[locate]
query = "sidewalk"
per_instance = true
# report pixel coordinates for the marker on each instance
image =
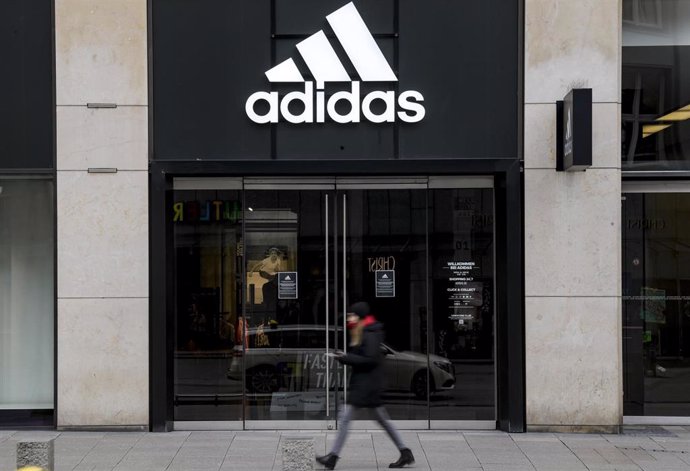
(643, 448)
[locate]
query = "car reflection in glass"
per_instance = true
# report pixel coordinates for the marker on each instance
(292, 357)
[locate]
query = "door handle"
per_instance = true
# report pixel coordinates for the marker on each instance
(344, 244)
(328, 369)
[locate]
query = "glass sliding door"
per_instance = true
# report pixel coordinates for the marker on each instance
(288, 320)
(461, 326)
(384, 253)
(266, 268)
(656, 307)
(207, 231)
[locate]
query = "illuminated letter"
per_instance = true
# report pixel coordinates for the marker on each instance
(406, 103)
(217, 204)
(272, 100)
(388, 116)
(353, 98)
(206, 213)
(178, 212)
(320, 107)
(306, 97)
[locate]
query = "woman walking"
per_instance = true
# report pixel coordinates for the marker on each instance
(365, 358)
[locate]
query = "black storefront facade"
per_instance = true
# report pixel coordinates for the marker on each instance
(415, 177)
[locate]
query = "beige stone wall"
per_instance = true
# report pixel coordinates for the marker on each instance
(572, 221)
(101, 57)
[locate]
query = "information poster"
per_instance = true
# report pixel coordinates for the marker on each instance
(464, 293)
(385, 283)
(287, 285)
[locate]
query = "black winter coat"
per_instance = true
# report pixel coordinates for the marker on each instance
(366, 360)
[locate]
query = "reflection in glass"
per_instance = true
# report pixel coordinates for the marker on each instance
(253, 327)
(286, 371)
(208, 264)
(656, 85)
(27, 297)
(656, 308)
(386, 231)
(461, 241)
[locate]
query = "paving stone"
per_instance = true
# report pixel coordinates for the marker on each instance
(297, 454)
(641, 449)
(37, 453)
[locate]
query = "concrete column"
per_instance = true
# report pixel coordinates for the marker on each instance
(572, 221)
(102, 218)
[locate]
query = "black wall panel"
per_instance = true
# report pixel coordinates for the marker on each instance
(308, 16)
(26, 85)
(206, 59)
(462, 55)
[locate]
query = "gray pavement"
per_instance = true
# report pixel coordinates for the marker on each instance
(637, 448)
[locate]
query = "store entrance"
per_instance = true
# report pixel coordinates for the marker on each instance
(265, 269)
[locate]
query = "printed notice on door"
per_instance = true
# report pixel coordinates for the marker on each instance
(385, 283)
(287, 285)
(464, 292)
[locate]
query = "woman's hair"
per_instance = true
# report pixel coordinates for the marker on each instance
(360, 308)
(356, 334)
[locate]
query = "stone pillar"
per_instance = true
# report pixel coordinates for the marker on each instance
(572, 221)
(102, 218)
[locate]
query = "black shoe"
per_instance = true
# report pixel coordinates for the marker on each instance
(406, 457)
(328, 461)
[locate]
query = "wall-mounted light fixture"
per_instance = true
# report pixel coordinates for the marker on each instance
(574, 131)
(102, 170)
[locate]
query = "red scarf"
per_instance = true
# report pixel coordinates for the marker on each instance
(368, 320)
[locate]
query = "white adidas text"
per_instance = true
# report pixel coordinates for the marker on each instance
(315, 106)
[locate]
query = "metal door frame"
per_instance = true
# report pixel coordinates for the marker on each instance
(321, 184)
(509, 273)
(338, 186)
(659, 186)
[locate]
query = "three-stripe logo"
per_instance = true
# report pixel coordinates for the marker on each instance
(325, 66)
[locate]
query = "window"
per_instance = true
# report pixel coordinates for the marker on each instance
(656, 307)
(642, 13)
(655, 86)
(27, 299)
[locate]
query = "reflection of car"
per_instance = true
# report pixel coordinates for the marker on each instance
(277, 356)
(406, 371)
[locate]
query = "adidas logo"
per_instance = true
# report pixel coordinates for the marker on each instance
(325, 66)
(568, 148)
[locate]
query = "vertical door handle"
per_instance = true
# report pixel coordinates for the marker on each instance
(344, 244)
(328, 359)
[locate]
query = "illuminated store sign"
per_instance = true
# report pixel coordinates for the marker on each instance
(574, 130)
(324, 64)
